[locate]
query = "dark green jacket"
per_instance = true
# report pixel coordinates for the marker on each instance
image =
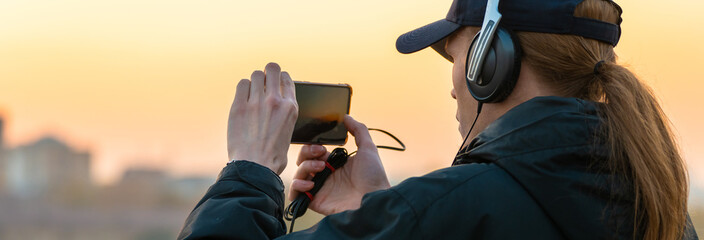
(535, 173)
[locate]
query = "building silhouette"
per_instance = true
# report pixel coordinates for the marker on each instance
(47, 168)
(46, 192)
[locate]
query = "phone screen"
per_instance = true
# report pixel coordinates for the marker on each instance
(321, 110)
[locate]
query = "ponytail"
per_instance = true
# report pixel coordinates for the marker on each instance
(636, 127)
(643, 149)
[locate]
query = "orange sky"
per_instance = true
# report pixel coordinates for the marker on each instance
(149, 83)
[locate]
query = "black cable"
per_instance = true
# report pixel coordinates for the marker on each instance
(292, 218)
(459, 154)
(403, 146)
(337, 158)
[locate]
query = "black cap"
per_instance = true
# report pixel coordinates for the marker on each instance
(546, 16)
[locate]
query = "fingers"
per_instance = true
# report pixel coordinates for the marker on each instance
(301, 179)
(270, 81)
(257, 86)
(312, 152)
(288, 87)
(242, 93)
(273, 79)
(308, 168)
(298, 185)
(360, 133)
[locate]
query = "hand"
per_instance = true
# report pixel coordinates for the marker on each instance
(344, 189)
(262, 118)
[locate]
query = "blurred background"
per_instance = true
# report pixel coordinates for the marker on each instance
(113, 112)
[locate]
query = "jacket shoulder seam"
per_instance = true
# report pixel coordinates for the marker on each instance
(496, 168)
(543, 149)
(413, 210)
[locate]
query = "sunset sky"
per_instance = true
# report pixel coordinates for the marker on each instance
(149, 83)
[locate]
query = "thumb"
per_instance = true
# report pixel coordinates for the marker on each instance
(360, 133)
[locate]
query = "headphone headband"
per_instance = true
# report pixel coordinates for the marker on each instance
(492, 17)
(493, 59)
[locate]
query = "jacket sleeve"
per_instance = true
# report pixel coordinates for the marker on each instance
(247, 201)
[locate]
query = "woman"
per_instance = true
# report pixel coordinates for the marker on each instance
(579, 149)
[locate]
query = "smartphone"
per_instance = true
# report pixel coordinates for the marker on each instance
(321, 110)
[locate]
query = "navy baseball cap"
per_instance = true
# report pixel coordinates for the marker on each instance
(546, 16)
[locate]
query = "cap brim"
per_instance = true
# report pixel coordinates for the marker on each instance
(425, 36)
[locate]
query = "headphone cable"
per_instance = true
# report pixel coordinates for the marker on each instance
(459, 152)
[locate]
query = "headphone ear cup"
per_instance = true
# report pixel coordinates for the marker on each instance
(500, 70)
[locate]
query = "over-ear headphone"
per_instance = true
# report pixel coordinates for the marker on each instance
(493, 60)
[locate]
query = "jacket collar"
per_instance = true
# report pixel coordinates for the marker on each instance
(531, 126)
(549, 145)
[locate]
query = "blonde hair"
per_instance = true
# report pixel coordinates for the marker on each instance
(635, 128)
